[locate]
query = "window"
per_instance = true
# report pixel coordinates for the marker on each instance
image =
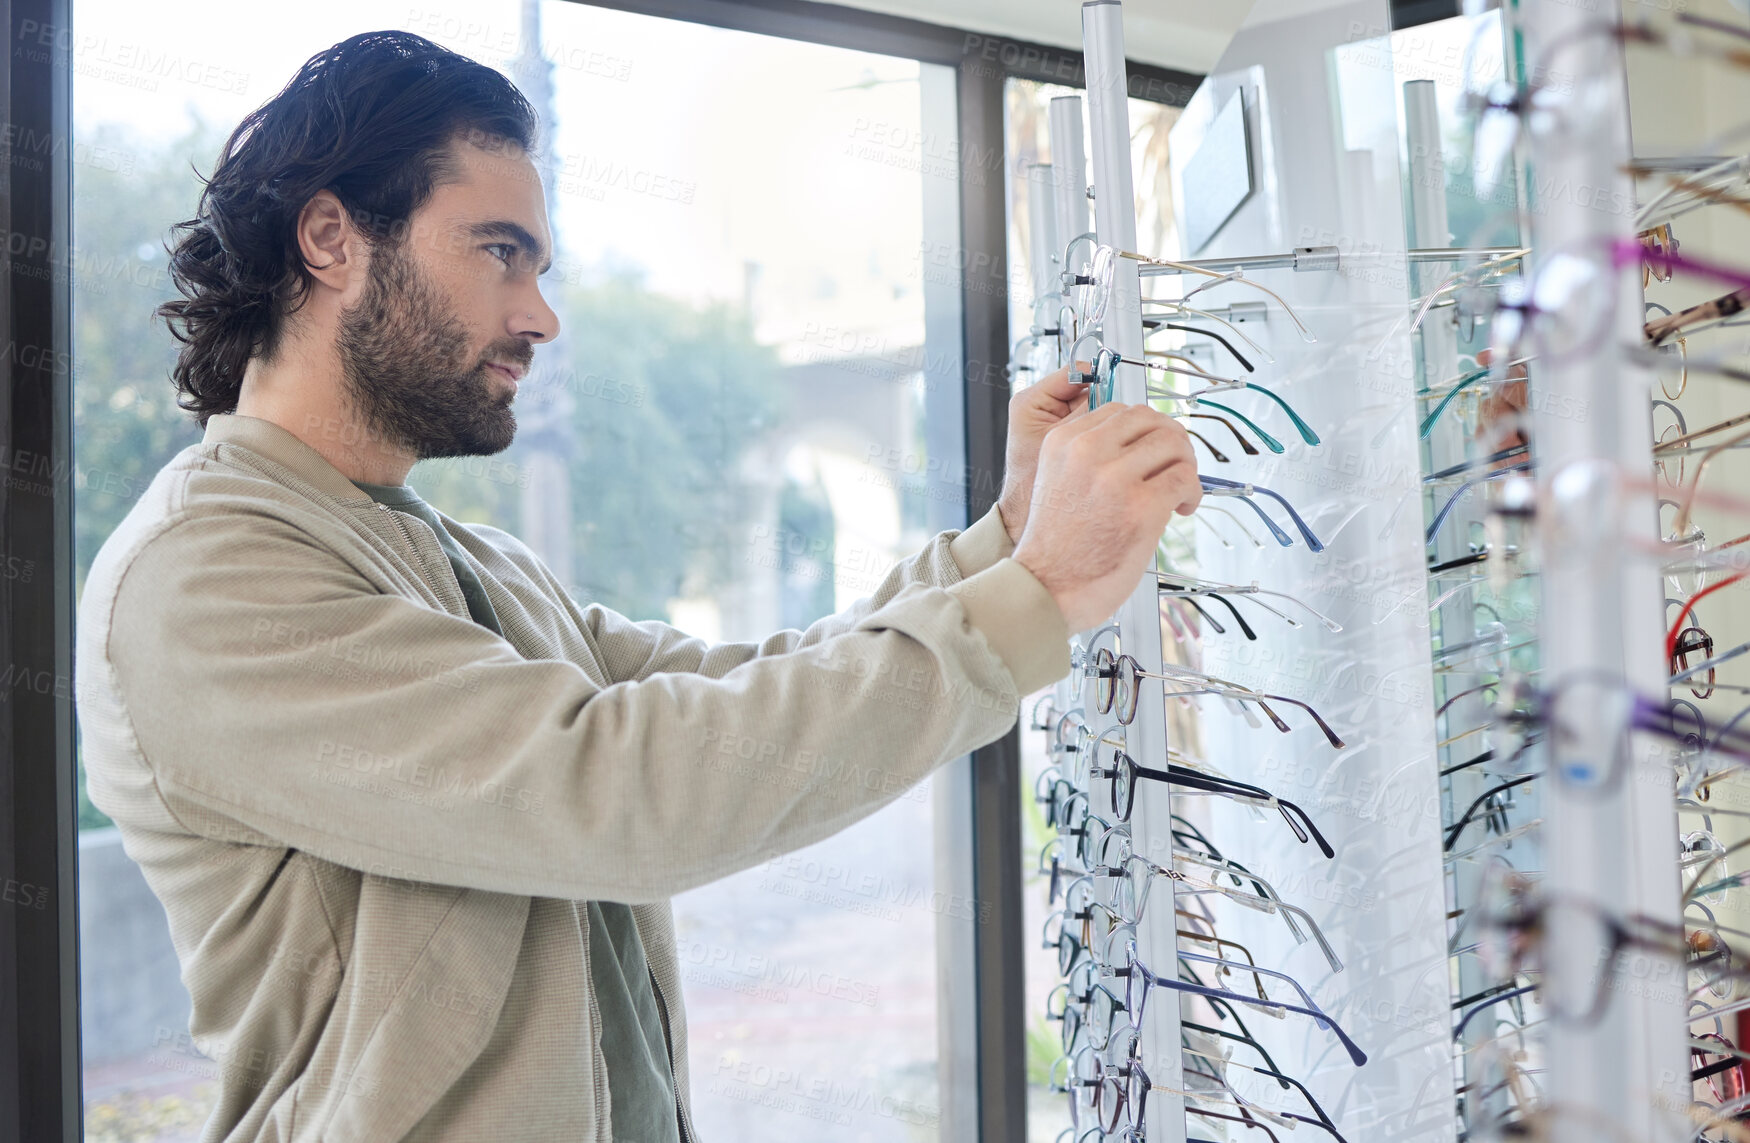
(753, 410)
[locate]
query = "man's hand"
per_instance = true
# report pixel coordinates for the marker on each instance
(1033, 412)
(1108, 483)
(1501, 423)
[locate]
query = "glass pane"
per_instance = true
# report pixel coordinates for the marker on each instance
(753, 410)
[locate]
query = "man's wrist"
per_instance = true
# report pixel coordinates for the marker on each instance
(1014, 518)
(982, 544)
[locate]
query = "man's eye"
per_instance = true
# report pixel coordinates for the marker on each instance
(505, 246)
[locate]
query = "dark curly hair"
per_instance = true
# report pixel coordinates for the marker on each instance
(370, 119)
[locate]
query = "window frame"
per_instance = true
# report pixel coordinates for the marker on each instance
(979, 818)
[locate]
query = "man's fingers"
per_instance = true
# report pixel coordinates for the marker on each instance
(1056, 395)
(1176, 481)
(1129, 424)
(1076, 427)
(1161, 459)
(1059, 385)
(1153, 453)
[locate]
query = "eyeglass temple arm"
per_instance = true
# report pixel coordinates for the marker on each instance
(1184, 776)
(1325, 621)
(1210, 283)
(1220, 457)
(1447, 705)
(1191, 367)
(1244, 1037)
(1318, 838)
(1222, 688)
(1220, 943)
(1233, 693)
(1330, 735)
(1264, 890)
(1244, 1119)
(1324, 1021)
(1481, 463)
(1287, 1081)
(1323, 1119)
(1246, 490)
(1306, 334)
(1268, 441)
(1192, 831)
(1452, 502)
(1245, 627)
(1214, 624)
(1243, 695)
(1331, 957)
(1177, 581)
(1439, 522)
(1200, 958)
(1280, 1118)
(1181, 308)
(1231, 488)
(1235, 520)
(1305, 430)
(1463, 383)
(1190, 974)
(1458, 1032)
(1239, 874)
(1218, 381)
(1469, 815)
(1225, 343)
(1300, 525)
(1246, 446)
(1180, 591)
(1190, 779)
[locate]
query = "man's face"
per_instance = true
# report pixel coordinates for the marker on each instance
(449, 316)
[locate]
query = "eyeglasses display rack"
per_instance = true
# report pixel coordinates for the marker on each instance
(1406, 775)
(1481, 591)
(1688, 233)
(1560, 824)
(1611, 828)
(1298, 977)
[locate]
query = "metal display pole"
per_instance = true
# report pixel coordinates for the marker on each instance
(1139, 619)
(1610, 819)
(1331, 258)
(1069, 165)
(1043, 248)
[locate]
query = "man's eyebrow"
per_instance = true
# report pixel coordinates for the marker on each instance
(505, 228)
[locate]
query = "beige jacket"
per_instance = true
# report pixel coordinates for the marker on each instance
(370, 819)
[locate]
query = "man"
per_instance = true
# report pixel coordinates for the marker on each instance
(414, 814)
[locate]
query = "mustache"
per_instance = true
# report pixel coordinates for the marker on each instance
(515, 352)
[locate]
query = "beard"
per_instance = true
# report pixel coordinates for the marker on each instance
(407, 370)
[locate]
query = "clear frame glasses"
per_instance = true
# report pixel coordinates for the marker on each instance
(1092, 289)
(1218, 486)
(1116, 689)
(1140, 980)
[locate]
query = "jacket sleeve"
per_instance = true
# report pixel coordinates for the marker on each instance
(636, 650)
(268, 683)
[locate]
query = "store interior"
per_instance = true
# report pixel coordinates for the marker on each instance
(1405, 799)
(1425, 824)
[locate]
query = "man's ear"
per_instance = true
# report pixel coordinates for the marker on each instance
(333, 249)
